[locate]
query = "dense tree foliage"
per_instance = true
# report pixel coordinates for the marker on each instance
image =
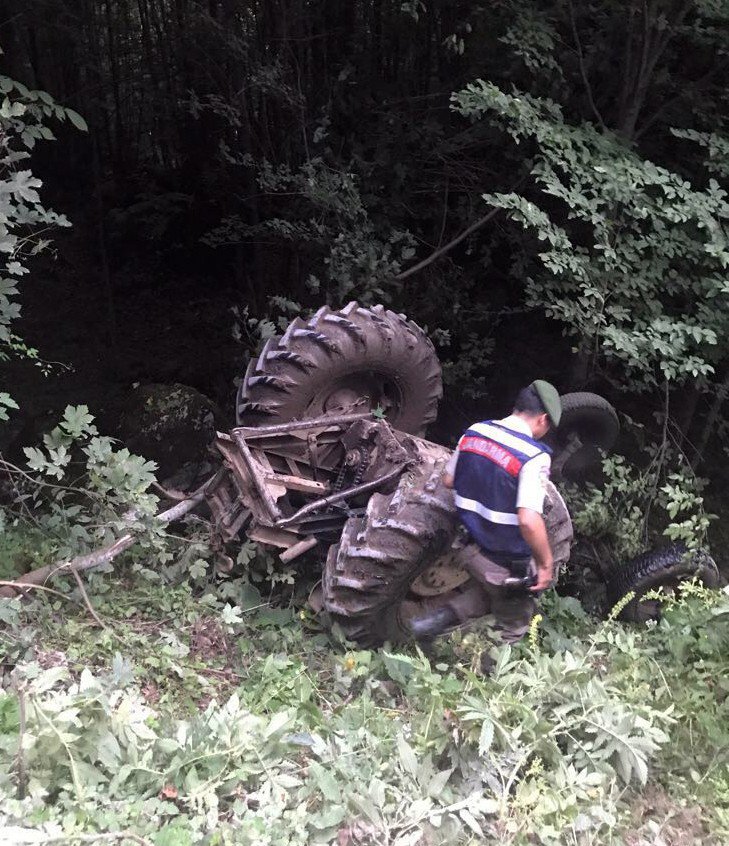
(316, 150)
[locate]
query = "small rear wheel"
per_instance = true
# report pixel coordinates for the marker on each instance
(588, 426)
(663, 570)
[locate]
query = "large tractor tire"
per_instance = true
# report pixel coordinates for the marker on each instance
(588, 426)
(371, 581)
(368, 573)
(559, 528)
(354, 358)
(660, 569)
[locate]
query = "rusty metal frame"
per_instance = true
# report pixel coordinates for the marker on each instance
(345, 494)
(248, 493)
(324, 422)
(262, 490)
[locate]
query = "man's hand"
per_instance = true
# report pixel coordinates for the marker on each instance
(534, 532)
(544, 578)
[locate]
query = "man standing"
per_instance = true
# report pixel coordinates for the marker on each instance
(499, 474)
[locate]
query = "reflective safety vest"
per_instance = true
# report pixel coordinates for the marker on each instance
(486, 484)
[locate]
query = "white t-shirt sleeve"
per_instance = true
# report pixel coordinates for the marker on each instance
(533, 480)
(450, 468)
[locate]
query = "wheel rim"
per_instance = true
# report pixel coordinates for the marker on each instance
(368, 389)
(441, 577)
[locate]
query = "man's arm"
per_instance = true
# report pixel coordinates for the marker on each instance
(534, 533)
(529, 504)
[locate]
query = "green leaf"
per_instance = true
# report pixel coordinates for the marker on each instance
(198, 570)
(486, 737)
(325, 781)
(247, 553)
(77, 421)
(231, 614)
(328, 816)
(438, 783)
(173, 835)
(399, 668)
(36, 459)
(368, 808)
(77, 120)
(470, 821)
(6, 401)
(249, 597)
(408, 758)
(278, 722)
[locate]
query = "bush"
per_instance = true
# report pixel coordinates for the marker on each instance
(306, 743)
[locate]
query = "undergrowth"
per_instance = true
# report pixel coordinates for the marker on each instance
(197, 720)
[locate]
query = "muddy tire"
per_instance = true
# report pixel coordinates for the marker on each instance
(593, 420)
(662, 568)
(559, 527)
(368, 573)
(356, 357)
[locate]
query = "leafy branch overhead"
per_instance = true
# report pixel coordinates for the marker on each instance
(23, 117)
(632, 259)
(86, 490)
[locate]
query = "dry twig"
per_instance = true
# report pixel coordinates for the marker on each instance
(87, 601)
(449, 246)
(457, 240)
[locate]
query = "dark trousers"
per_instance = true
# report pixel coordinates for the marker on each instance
(512, 610)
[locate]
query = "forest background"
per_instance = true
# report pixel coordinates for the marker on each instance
(542, 186)
(268, 156)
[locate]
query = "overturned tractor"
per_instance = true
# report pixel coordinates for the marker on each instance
(329, 457)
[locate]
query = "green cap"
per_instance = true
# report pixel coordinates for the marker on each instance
(547, 393)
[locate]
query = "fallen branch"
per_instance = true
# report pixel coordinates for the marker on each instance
(449, 246)
(457, 240)
(101, 556)
(23, 588)
(168, 493)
